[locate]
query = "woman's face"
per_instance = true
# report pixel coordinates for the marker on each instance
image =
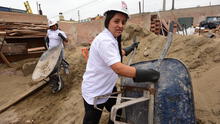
(53, 27)
(116, 24)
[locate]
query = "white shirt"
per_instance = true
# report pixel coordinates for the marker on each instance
(54, 39)
(99, 78)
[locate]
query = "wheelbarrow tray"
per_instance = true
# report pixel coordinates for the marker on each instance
(174, 103)
(48, 61)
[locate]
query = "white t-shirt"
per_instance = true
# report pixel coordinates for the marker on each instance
(99, 78)
(54, 39)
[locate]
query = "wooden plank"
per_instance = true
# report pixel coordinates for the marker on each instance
(165, 24)
(2, 56)
(36, 49)
(24, 36)
(7, 26)
(20, 32)
(161, 26)
(2, 33)
(22, 96)
(5, 60)
(22, 17)
(14, 48)
(14, 58)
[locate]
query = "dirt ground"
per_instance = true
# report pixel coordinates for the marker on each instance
(200, 54)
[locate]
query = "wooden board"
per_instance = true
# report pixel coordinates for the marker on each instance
(2, 33)
(22, 17)
(36, 49)
(14, 48)
(5, 60)
(14, 58)
(12, 97)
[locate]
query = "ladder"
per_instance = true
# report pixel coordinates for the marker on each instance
(28, 8)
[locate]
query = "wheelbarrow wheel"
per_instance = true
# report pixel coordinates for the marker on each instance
(56, 83)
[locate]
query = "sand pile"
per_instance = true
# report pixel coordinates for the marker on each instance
(201, 55)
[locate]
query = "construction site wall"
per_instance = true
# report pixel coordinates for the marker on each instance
(83, 32)
(70, 29)
(140, 19)
(199, 13)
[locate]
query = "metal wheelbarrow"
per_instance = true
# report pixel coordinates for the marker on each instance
(173, 96)
(49, 65)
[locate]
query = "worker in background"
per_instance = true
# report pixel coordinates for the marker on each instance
(54, 38)
(105, 64)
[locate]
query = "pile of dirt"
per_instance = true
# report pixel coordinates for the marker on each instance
(201, 55)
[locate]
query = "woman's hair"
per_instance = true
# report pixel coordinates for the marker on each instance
(119, 46)
(56, 25)
(109, 15)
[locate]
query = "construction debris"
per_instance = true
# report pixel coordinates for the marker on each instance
(23, 30)
(21, 34)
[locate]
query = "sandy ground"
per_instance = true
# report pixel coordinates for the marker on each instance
(201, 56)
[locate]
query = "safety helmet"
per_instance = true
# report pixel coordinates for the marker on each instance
(51, 22)
(120, 6)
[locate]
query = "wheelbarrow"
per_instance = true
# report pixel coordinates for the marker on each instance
(49, 66)
(173, 96)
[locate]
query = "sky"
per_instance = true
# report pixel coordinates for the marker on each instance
(82, 9)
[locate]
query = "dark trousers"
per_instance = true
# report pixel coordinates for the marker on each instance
(92, 115)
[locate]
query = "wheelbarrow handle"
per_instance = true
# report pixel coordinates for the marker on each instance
(115, 108)
(104, 96)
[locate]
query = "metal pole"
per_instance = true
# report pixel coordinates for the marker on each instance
(164, 5)
(40, 11)
(139, 7)
(37, 6)
(143, 7)
(172, 4)
(78, 16)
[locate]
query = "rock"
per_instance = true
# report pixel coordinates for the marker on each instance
(28, 68)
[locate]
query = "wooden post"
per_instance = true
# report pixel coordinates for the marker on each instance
(2, 35)
(5, 59)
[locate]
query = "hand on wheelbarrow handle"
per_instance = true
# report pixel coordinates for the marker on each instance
(62, 37)
(146, 75)
(129, 49)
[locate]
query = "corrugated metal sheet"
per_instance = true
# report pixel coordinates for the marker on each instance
(18, 10)
(6, 9)
(186, 22)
